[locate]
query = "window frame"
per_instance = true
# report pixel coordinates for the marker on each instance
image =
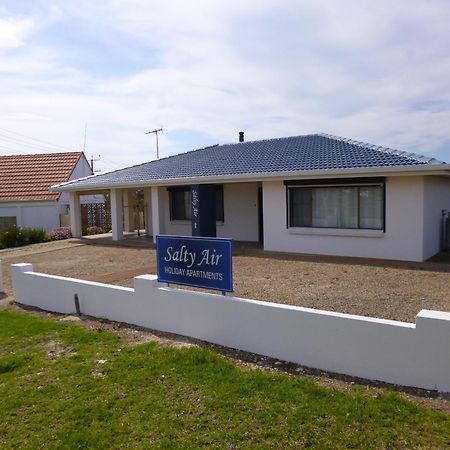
(173, 190)
(336, 183)
(7, 225)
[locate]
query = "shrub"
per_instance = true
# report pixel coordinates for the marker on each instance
(34, 235)
(11, 237)
(94, 230)
(15, 236)
(60, 233)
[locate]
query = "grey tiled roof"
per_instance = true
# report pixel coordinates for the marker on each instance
(290, 154)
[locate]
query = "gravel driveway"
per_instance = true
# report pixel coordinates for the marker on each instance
(389, 290)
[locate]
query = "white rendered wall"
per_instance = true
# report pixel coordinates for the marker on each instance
(159, 203)
(402, 239)
(437, 198)
(240, 214)
(117, 214)
(394, 352)
(81, 170)
(33, 214)
(11, 210)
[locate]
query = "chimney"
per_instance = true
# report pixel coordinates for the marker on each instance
(241, 136)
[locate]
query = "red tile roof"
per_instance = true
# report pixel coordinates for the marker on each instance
(29, 177)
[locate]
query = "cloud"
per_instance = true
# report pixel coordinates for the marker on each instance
(374, 71)
(13, 32)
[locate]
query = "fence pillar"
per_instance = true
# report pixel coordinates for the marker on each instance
(75, 214)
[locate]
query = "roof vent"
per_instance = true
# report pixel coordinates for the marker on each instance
(241, 136)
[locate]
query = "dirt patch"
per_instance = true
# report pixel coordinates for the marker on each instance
(121, 275)
(97, 372)
(55, 349)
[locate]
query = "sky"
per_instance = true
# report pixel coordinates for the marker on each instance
(203, 70)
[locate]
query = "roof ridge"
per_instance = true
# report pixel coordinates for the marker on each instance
(42, 154)
(392, 151)
(272, 139)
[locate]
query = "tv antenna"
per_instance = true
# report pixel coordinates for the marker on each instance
(85, 133)
(156, 131)
(93, 160)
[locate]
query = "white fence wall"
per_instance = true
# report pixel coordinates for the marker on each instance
(395, 352)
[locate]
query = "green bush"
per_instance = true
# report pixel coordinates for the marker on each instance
(35, 235)
(15, 236)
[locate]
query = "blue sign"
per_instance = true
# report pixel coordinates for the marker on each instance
(195, 261)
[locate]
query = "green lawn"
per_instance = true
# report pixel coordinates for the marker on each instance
(63, 386)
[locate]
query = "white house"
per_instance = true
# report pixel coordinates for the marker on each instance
(25, 181)
(315, 194)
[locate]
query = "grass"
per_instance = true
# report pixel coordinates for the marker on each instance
(63, 386)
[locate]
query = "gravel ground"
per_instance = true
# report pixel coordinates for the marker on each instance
(389, 290)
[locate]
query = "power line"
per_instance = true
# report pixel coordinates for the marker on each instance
(34, 139)
(23, 143)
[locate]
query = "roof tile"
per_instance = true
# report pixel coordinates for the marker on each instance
(290, 154)
(29, 177)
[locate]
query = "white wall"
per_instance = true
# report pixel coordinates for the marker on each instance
(33, 214)
(240, 214)
(82, 169)
(402, 239)
(10, 210)
(395, 352)
(436, 198)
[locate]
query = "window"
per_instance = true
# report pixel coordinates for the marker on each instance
(329, 206)
(180, 203)
(7, 222)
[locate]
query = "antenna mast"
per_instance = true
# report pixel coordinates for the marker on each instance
(85, 132)
(156, 131)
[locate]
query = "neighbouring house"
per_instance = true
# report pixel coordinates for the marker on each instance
(316, 194)
(25, 196)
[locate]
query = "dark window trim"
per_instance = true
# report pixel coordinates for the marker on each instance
(337, 182)
(178, 188)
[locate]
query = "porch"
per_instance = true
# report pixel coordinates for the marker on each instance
(167, 209)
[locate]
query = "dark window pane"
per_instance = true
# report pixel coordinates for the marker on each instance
(219, 204)
(181, 205)
(300, 207)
